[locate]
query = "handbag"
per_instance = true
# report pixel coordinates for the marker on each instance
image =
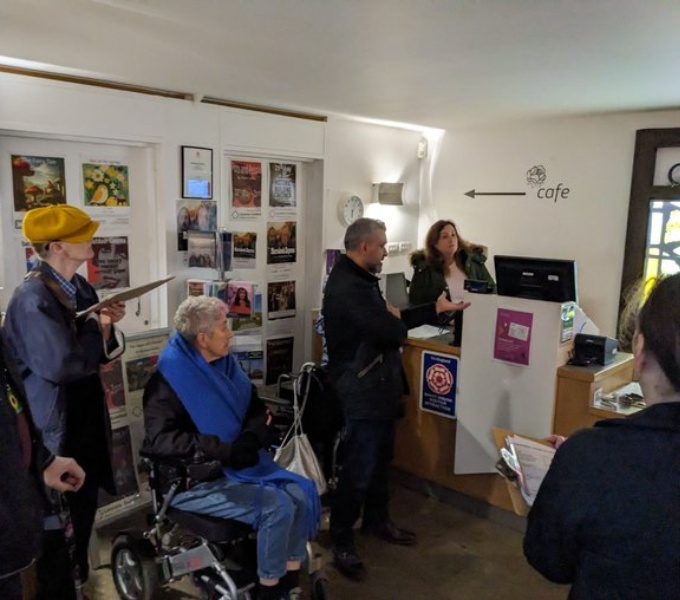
(295, 453)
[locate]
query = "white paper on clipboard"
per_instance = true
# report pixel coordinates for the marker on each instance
(128, 294)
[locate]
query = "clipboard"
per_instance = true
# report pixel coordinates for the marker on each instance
(519, 505)
(128, 294)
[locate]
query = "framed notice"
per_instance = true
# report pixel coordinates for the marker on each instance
(438, 383)
(197, 172)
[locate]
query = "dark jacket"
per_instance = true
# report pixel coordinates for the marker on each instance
(607, 516)
(171, 432)
(429, 281)
(20, 493)
(58, 357)
(364, 340)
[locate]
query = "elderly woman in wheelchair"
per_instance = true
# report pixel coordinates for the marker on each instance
(200, 403)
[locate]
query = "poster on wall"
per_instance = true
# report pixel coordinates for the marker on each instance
(282, 191)
(248, 325)
(438, 383)
(114, 388)
(280, 300)
(245, 250)
(106, 194)
(247, 349)
(37, 181)
(281, 242)
(279, 357)
(246, 189)
(30, 256)
(139, 363)
(202, 249)
(109, 268)
(512, 340)
(194, 216)
(240, 296)
(332, 257)
(124, 472)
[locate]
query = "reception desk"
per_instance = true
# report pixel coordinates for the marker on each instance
(426, 442)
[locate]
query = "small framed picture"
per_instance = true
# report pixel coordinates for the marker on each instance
(197, 172)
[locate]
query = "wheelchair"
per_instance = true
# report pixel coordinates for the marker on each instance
(218, 554)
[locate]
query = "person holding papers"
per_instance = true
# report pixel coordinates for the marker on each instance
(58, 355)
(607, 516)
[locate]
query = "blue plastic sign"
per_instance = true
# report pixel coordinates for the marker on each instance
(438, 383)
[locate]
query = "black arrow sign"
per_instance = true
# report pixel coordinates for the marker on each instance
(473, 193)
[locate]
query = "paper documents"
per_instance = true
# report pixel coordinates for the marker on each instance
(128, 294)
(534, 460)
(424, 332)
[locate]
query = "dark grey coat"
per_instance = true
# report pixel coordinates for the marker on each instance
(607, 516)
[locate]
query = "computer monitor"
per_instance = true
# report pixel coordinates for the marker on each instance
(548, 279)
(396, 290)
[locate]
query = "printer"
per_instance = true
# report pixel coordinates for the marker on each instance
(593, 350)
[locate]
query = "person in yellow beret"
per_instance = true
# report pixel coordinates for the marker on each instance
(59, 355)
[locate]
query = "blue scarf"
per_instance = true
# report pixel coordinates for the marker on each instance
(216, 395)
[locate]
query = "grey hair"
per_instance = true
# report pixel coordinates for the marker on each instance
(198, 314)
(360, 231)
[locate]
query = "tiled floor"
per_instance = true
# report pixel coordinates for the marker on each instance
(458, 557)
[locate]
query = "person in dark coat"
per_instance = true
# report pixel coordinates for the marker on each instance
(58, 355)
(442, 267)
(607, 516)
(444, 264)
(24, 461)
(364, 335)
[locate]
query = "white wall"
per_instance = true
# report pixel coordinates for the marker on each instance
(591, 156)
(338, 157)
(358, 155)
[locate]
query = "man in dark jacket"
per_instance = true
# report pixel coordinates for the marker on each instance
(364, 336)
(23, 459)
(58, 355)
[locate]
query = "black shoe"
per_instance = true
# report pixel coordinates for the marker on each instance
(350, 565)
(389, 532)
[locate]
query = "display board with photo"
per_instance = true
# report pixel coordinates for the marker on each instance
(240, 296)
(105, 184)
(109, 269)
(246, 188)
(280, 299)
(282, 185)
(279, 357)
(281, 242)
(37, 181)
(202, 249)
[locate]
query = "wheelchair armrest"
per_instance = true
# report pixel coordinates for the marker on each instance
(187, 471)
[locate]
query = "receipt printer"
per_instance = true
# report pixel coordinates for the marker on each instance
(594, 349)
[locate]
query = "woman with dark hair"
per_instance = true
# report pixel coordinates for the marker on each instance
(240, 304)
(444, 264)
(607, 515)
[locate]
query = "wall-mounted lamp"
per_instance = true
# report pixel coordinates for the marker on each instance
(388, 193)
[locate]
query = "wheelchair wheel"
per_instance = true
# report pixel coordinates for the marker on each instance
(319, 587)
(135, 573)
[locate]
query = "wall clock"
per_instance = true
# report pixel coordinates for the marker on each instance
(350, 208)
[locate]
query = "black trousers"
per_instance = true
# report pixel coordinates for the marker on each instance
(10, 587)
(367, 453)
(54, 568)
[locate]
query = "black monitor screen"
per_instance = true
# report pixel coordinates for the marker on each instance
(548, 279)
